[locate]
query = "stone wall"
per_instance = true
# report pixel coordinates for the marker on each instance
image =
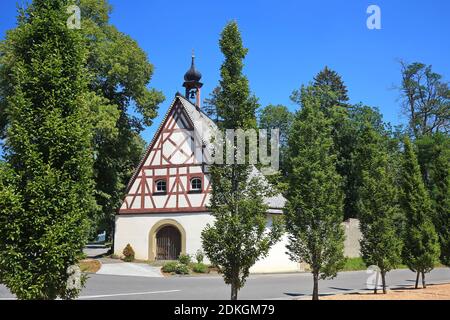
(352, 237)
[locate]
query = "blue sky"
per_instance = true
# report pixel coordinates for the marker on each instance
(288, 41)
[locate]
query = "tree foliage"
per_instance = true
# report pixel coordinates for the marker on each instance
(381, 244)
(426, 99)
(330, 89)
(119, 72)
(421, 249)
(238, 237)
(46, 185)
(434, 160)
(277, 117)
(315, 208)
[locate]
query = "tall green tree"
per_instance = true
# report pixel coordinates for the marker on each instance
(329, 87)
(421, 250)
(209, 105)
(381, 244)
(315, 199)
(47, 186)
(352, 146)
(426, 99)
(238, 237)
(434, 160)
(277, 117)
(119, 74)
(331, 80)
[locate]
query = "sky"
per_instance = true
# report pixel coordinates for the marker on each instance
(289, 42)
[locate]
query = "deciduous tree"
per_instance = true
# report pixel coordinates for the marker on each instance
(426, 99)
(434, 160)
(46, 186)
(315, 199)
(238, 237)
(421, 250)
(277, 117)
(119, 73)
(381, 244)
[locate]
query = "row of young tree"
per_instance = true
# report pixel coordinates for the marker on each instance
(70, 147)
(337, 161)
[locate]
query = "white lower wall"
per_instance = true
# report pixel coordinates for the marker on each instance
(277, 259)
(135, 229)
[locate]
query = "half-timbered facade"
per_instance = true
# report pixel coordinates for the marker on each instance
(165, 207)
(172, 176)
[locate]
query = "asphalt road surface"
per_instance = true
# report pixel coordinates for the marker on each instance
(274, 286)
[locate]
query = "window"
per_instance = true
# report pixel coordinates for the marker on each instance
(161, 186)
(196, 184)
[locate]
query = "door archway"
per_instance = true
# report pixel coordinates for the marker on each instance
(168, 243)
(167, 240)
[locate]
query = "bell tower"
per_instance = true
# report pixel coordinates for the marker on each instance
(192, 84)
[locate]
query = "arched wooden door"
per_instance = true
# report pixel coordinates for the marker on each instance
(168, 243)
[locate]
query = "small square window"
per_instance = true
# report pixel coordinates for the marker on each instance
(161, 186)
(196, 184)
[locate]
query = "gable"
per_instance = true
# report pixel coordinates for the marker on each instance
(174, 156)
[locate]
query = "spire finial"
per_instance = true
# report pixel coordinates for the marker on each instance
(192, 82)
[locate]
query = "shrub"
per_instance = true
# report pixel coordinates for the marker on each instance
(170, 266)
(181, 269)
(128, 253)
(199, 256)
(184, 259)
(200, 268)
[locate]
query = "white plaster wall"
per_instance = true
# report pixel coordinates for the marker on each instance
(135, 229)
(353, 235)
(277, 260)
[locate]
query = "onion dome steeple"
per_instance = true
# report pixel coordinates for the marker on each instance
(192, 83)
(192, 74)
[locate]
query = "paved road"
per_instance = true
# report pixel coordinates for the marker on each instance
(280, 286)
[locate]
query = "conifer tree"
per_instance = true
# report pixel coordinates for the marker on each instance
(421, 244)
(330, 79)
(381, 244)
(47, 181)
(238, 237)
(315, 199)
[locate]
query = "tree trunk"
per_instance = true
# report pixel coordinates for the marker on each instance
(234, 291)
(383, 280)
(417, 279)
(377, 279)
(113, 231)
(316, 286)
(424, 285)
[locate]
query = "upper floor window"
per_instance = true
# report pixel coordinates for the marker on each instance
(196, 184)
(161, 186)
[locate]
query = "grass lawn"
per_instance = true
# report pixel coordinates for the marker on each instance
(356, 264)
(89, 265)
